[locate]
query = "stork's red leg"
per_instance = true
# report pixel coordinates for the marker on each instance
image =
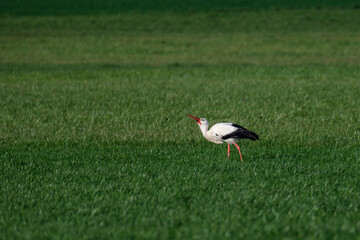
(228, 150)
(239, 150)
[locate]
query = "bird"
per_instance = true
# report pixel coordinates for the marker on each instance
(228, 133)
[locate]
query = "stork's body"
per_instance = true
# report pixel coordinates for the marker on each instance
(228, 133)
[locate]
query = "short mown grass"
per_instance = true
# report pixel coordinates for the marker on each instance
(95, 142)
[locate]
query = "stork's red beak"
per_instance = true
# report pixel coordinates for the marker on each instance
(196, 118)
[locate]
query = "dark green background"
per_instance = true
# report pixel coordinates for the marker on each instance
(68, 7)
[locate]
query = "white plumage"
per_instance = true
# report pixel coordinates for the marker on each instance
(229, 133)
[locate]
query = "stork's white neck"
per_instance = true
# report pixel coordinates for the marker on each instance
(204, 129)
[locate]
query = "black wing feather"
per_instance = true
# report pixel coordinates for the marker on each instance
(241, 132)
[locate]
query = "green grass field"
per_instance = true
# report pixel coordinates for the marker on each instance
(88, 7)
(95, 142)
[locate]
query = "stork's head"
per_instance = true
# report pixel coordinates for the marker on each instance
(200, 121)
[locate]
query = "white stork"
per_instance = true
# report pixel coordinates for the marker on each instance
(229, 133)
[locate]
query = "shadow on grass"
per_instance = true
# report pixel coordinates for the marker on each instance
(11, 67)
(24, 67)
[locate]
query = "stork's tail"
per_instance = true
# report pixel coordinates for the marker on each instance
(241, 132)
(251, 135)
